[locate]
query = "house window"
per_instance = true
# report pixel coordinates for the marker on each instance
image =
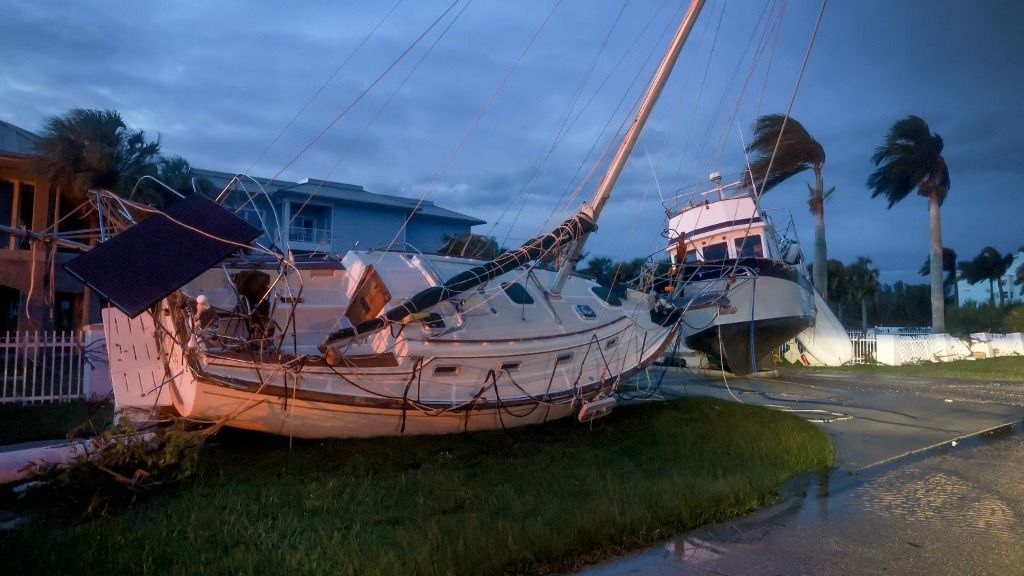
(7, 189)
(9, 301)
(311, 225)
(65, 310)
(252, 216)
(17, 201)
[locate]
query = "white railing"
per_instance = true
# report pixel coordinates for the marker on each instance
(42, 366)
(865, 346)
(309, 235)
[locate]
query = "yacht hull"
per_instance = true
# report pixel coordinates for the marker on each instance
(751, 317)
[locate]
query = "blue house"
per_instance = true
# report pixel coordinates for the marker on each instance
(333, 217)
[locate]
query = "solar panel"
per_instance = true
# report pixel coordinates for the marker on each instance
(152, 259)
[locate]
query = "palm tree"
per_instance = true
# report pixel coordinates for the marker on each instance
(85, 150)
(787, 156)
(837, 286)
(93, 149)
(911, 158)
(862, 282)
(989, 265)
(949, 266)
(972, 272)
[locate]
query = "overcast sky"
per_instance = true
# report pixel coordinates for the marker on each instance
(219, 81)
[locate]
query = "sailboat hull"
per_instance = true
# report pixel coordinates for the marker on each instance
(488, 363)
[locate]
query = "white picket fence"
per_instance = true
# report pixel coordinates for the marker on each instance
(865, 346)
(43, 366)
(898, 346)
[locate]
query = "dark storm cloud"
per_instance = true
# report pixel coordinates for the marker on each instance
(218, 81)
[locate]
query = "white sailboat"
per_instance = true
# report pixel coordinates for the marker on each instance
(378, 343)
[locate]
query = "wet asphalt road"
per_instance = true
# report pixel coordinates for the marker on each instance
(903, 499)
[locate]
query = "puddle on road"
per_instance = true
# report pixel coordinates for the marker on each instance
(907, 490)
(939, 500)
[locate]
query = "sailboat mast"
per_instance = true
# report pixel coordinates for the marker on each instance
(611, 176)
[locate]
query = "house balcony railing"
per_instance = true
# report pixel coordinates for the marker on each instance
(309, 235)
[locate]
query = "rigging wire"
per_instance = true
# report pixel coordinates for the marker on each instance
(566, 199)
(380, 109)
(770, 35)
(757, 54)
(563, 128)
(324, 85)
(700, 91)
(366, 90)
(476, 122)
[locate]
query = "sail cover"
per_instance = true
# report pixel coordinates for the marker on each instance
(150, 260)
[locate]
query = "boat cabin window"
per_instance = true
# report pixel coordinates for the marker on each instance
(609, 297)
(719, 251)
(586, 312)
(563, 358)
(517, 293)
(509, 366)
(446, 371)
(749, 247)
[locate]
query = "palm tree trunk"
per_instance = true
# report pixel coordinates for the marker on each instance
(820, 248)
(991, 293)
(864, 314)
(938, 300)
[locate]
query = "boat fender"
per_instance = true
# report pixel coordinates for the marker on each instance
(596, 408)
(792, 255)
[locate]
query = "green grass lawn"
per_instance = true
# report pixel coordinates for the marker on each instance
(52, 420)
(537, 500)
(1005, 369)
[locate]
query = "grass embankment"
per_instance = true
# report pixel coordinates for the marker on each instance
(1004, 369)
(536, 500)
(52, 421)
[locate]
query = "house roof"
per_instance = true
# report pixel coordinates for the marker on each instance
(341, 192)
(15, 140)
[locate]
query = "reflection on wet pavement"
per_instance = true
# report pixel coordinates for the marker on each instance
(917, 489)
(940, 500)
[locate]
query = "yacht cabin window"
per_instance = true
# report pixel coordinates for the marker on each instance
(719, 251)
(749, 247)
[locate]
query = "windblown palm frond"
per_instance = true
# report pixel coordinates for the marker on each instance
(795, 152)
(910, 157)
